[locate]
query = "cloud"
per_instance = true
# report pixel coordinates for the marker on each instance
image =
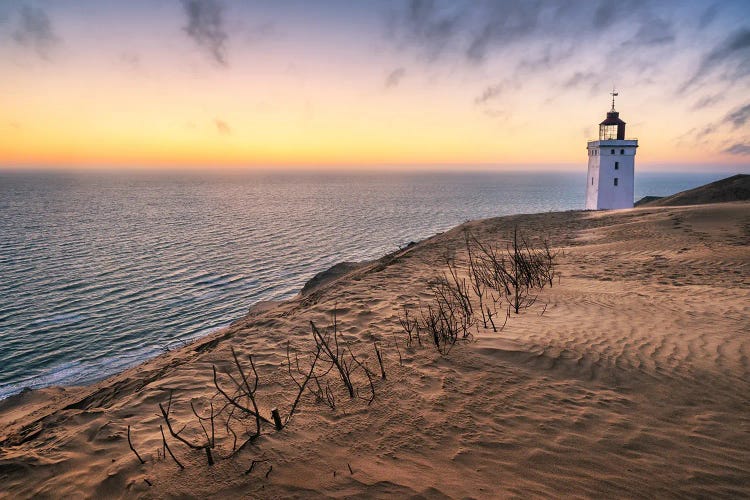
(739, 116)
(708, 15)
(394, 77)
(654, 31)
(222, 127)
(478, 29)
(735, 119)
(733, 52)
(546, 58)
(206, 27)
(607, 13)
(504, 22)
(492, 92)
(738, 149)
(35, 31)
(707, 101)
(427, 23)
(581, 78)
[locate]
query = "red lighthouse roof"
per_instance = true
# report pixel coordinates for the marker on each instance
(613, 118)
(612, 128)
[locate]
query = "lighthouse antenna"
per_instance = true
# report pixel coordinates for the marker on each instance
(614, 94)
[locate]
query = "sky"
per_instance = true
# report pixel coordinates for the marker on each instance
(355, 84)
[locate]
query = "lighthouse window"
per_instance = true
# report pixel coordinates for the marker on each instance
(592, 181)
(612, 152)
(615, 181)
(622, 151)
(617, 165)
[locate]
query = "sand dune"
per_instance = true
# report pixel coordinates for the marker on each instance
(734, 188)
(630, 377)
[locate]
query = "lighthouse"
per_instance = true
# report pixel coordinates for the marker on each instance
(609, 184)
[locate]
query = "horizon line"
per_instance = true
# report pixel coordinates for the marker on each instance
(474, 167)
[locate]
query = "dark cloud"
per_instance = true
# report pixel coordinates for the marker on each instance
(707, 101)
(222, 127)
(607, 13)
(427, 23)
(734, 119)
(491, 92)
(708, 15)
(35, 31)
(738, 117)
(546, 58)
(478, 28)
(738, 149)
(705, 131)
(733, 53)
(580, 78)
(394, 77)
(654, 31)
(206, 27)
(503, 22)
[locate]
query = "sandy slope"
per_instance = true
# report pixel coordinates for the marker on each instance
(734, 188)
(634, 382)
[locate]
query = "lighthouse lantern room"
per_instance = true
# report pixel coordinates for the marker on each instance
(609, 184)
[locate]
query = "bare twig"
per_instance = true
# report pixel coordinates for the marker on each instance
(164, 440)
(253, 464)
(130, 443)
(380, 360)
(174, 434)
(334, 354)
(301, 386)
(234, 401)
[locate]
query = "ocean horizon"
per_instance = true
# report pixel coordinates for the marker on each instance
(101, 271)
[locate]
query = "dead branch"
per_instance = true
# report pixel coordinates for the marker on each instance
(398, 350)
(409, 325)
(380, 360)
(334, 354)
(234, 401)
(166, 446)
(369, 379)
(174, 434)
(301, 385)
(253, 464)
(250, 393)
(130, 443)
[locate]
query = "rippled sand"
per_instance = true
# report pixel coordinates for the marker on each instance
(634, 382)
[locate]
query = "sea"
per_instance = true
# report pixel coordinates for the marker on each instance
(101, 271)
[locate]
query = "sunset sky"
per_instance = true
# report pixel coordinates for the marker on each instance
(493, 84)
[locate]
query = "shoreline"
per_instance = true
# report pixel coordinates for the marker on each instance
(611, 370)
(109, 356)
(318, 282)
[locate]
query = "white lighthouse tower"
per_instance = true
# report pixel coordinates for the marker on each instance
(611, 165)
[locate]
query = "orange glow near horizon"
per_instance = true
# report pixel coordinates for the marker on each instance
(140, 93)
